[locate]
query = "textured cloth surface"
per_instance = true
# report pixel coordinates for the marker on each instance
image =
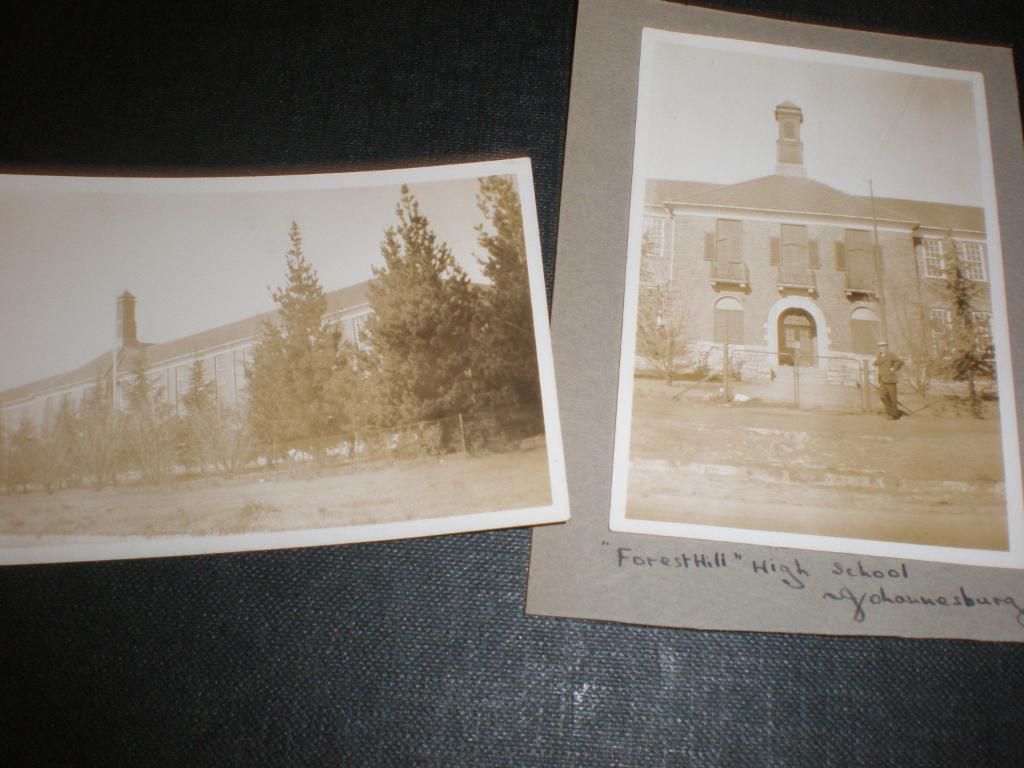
(413, 652)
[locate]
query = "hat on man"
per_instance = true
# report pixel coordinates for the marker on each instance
(883, 344)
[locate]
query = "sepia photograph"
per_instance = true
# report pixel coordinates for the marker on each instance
(815, 348)
(214, 364)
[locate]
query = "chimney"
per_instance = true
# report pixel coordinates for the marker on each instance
(127, 334)
(789, 148)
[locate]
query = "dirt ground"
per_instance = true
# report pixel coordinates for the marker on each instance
(357, 495)
(926, 479)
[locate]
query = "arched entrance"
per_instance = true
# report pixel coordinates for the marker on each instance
(798, 338)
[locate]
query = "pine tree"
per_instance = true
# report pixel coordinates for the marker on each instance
(505, 366)
(26, 455)
(198, 402)
(212, 434)
(148, 431)
(99, 444)
(968, 352)
(420, 330)
(292, 380)
(59, 442)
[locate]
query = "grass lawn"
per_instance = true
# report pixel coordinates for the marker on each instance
(926, 479)
(356, 495)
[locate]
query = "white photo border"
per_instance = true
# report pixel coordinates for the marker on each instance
(1013, 557)
(18, 550)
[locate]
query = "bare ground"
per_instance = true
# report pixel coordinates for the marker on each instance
(357, 495)
(925, 479)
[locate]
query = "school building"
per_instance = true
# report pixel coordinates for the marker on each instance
(793, 272)
(224, 351)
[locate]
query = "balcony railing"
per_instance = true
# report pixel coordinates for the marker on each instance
(797, 278)
(730, 272)
(866, 285)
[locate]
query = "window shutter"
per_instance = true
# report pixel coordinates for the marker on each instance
(840, 256)
(812, 254)
(709, 246)
(773, 252)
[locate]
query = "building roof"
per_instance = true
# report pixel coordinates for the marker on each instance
(793, 194)
(154, 354)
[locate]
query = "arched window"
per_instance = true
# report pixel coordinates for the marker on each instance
(865, 331)
(728, 320)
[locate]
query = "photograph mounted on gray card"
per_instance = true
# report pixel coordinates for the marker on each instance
(216, 364)
(815, 348)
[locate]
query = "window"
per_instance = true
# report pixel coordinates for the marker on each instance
(181, 377)
(971, 253)
(728, 240)
(940, 325)
(654, 235)
(983, 327)
(865, 330)
(220, 375)
(728, 321)
(972, 260)
(358, 334)
(238, 357)
(934, 263)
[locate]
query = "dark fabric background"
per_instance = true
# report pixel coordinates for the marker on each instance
(413, 652)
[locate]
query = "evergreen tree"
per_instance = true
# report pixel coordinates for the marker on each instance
(505, 365)
(213, 434)
(26, 455)
(99, 443)
(292, 380)
(420, 330)
(148, 430)
(198, 402)
(59, 443)
(968, 351)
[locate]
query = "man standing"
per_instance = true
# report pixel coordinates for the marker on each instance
(888, 365)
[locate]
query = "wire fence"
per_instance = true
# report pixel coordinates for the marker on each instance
(800, 379)
(811, 379)
(473, 433)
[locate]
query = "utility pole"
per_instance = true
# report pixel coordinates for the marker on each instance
(879, 276)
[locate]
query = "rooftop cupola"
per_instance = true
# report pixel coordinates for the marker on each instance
(789, 147)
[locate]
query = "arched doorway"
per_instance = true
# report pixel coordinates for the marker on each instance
(798, 338)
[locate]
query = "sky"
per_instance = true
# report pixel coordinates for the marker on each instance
(712, 119)
(194, 256)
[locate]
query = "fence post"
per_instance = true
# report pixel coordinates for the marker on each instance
(796, 379)
(462, 432)
(725, 372)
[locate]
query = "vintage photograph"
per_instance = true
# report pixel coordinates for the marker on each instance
(202, 365)
(815, 345)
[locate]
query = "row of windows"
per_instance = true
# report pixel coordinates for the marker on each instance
(794, 250)
(941, 322)
(864, 326)
(939, 255)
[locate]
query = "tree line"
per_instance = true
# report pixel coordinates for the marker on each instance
(435, 346)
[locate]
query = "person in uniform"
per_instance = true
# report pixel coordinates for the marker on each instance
(888, 366)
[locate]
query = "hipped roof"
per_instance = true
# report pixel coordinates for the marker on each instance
(798, 195)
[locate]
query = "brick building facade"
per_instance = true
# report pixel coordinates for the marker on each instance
(224, 351)
(785, 268)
